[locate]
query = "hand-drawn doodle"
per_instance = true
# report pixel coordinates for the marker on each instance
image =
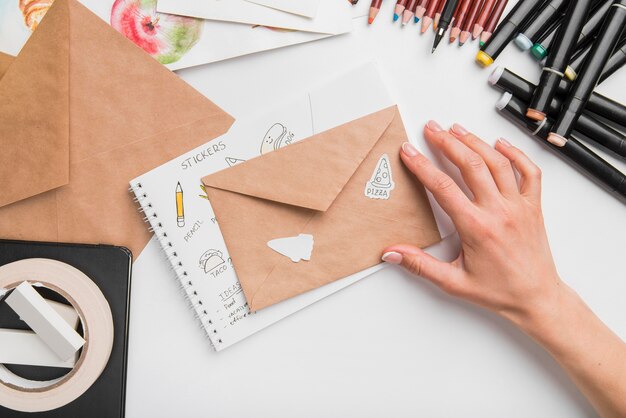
(231, 161)
(381, 184)
(210, 260)
(296, 248)
(276, 137)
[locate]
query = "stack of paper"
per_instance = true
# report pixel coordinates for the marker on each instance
(186, 33)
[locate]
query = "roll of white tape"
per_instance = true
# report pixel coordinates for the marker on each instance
(95, 314)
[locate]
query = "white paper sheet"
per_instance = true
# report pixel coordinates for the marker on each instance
(306, 8)
(333, 17)
(217, 40)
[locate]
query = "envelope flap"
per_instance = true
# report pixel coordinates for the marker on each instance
(310, 173)
(34, 112)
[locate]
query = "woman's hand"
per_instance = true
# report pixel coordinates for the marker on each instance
(505, 263)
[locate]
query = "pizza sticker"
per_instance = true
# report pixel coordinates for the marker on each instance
(381, 184)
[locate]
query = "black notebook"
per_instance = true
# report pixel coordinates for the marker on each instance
(110, 269)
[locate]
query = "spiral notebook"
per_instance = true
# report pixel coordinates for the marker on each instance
(175, 205)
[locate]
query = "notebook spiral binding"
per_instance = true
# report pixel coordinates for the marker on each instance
(184, 281)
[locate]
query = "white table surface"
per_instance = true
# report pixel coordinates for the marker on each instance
(391, 345)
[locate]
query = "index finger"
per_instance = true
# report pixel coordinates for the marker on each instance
(444, 189)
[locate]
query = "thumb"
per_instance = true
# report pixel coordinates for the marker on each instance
(446, 276)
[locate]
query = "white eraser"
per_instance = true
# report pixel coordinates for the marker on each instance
(45, 321)
(19, 346)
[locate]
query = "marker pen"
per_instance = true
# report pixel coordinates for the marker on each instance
(563, 46)
(617, 60)
(590, 74)
(506, 31)
(590, 31)
(571, 150)
(551, 11)
(587, 124)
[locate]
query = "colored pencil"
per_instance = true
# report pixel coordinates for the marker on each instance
(409, 12)
(470, 20)
(440, 7)
(431, 8)
(459, 18)
(419, 11)
(481, 20)
(400, 7)
(496, 14)
(374, 9)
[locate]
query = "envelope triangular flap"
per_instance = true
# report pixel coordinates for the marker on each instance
(34, 112)
(310, 173)
(119, 94)
(127, 115)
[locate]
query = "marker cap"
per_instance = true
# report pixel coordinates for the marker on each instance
(483, 59)
(523, 42)
(570, 73)
(538, 51)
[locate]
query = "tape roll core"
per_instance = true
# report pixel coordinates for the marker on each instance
(97, 321)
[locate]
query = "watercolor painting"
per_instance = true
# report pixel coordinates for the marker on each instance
(165, 37)
(33, 11)
(14, 31)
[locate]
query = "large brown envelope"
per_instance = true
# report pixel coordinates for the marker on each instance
(318, 186)
(5, 61)
(82, 112)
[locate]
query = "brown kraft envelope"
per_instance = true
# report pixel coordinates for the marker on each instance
(83, 112)
(329, 186)
(5, 61)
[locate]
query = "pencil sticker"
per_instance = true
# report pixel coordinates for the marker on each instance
(381, 184)
(296, 248)
(276, 137)
(233, 161)
(180, 210)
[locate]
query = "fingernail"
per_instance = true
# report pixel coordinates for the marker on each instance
(409, 149)
(504, 142)
(392, 257)
(458, 130)
(434, 126)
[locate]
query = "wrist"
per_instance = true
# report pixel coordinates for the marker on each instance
(548, 315)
